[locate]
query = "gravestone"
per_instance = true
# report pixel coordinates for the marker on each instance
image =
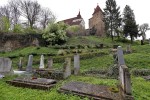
(128, 49)
(5, 65)
(35, 83)
(149, 41)
(76, 64)
(91, 91)
(42, 62)
(67, 68)
(20, 64)
(29, 65)
(120, 56)
(125, 83)
(50, 63)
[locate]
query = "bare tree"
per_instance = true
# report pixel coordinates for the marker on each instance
(30, 10)
(143, 28)
(5, 11)
(15, 12)
(46, 16)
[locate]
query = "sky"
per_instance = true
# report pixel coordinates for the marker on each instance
(64, 9)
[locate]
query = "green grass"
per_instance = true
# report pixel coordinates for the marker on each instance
(140, 89)
(8, 92)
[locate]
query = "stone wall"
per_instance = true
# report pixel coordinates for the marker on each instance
(11, 41)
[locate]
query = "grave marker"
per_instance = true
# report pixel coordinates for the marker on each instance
(5, 65)
(76, 64)
(42, 62)
(20, 64)
(67, 68)
(29, 65)
(50, 63)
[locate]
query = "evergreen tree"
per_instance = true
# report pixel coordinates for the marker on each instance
(130, 26)
(112, 18)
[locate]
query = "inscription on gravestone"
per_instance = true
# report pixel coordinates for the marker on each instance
(76, 64)
(42, 62)
(29, 65)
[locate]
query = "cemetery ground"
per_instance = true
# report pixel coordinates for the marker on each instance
(94, 60)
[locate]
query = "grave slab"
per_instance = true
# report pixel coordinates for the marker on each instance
(96, 92)
(35, 83)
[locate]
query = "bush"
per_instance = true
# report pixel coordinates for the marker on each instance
(141, 72)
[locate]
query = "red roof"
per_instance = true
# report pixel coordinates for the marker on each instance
(97, 9)
(74, 20)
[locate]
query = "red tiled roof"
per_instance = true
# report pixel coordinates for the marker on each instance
(71, 21)
(97, 9)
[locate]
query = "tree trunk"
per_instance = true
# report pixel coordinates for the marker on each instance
(131, 39)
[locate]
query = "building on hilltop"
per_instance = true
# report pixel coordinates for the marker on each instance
(96, 23)
(78, 20)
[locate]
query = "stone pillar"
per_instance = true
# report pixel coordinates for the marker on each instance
(67, 68)
(50, 63)
(41, 62)
(29, 66)
(76, 64)
(20, 63)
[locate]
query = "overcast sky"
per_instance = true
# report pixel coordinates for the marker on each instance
(65, 9)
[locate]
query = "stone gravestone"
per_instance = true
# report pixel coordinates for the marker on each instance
(120, 56)
(125, 83)
(128, 49)
(67, 68)
(42, 62)
(5, 65)
(20, 64)
(50, 63)
(29, 65)
(76, 64)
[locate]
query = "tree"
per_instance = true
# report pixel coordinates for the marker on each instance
(46, 16)
(4, 24)
(55, 33)
(112, 18)
(130, 26)
(143, 28)
(30, 10)
(15, 12)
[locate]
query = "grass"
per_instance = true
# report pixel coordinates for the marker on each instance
(139, 59)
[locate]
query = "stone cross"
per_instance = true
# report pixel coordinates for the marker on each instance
(42, 62)
(5, 65)
(76, 64)
(20, 64)
(50, 63)
(67, 68)
(29, 65)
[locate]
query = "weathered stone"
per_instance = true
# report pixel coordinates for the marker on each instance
(20, 64)
(29, 66)
(125, 83)
(35, 42)
(96, 92)
(120, 56)
(67, 68)
(35, 83)
(5, 65)
(42, 62)
(76, 64)
(50, 63)
(128, 49)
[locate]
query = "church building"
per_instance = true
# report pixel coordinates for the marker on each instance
(96, 22)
